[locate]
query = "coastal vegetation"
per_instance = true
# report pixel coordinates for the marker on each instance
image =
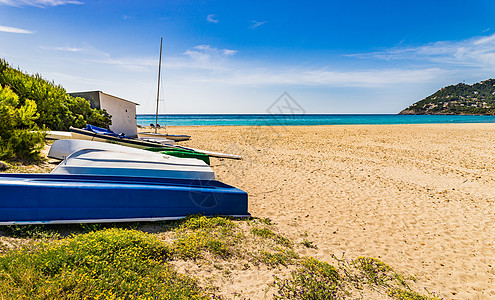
(460, 99)
(20, 136)
(123, 261)
(30, 105)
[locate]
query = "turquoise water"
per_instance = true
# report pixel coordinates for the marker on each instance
(306, 119)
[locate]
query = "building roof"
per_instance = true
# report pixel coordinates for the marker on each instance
(104, 94)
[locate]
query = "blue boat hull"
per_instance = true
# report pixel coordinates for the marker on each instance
(60, 198)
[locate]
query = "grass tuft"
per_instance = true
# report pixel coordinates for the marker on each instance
(197, 235)
(402, 294)
(312, 279)
(282, 257)
(269, 234)
(374, 270)
(308, 244)
(202, 222)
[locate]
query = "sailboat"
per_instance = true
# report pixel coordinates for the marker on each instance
(155, 135)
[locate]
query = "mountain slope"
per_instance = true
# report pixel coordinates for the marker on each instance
(460, 99)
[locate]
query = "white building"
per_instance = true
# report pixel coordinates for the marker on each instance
(123, 111)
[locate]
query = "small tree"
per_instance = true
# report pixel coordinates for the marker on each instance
(20, 137)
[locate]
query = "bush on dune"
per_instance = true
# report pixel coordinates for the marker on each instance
(107, 264)
(20, 136)
(57, 110)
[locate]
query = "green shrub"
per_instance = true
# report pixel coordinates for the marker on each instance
(57, 110)
(313, 279)
(198, 234)
(280, 256)
(377, 272)
(20, 137)
(202, 222)
(107, 264)
(371, 266)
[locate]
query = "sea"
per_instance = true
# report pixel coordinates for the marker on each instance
(304, 119)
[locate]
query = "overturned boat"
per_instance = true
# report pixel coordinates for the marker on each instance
(65, 198)
(147, 164)
(61, 149)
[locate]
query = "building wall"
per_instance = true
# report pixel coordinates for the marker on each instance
(123, 114)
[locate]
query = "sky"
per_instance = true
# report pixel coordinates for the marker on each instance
(240, 56)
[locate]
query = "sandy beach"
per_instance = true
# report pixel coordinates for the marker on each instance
(419, 197)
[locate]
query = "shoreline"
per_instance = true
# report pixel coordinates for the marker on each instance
(412, 124)
(313, 119)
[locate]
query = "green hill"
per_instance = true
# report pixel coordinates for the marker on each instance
(460, 99)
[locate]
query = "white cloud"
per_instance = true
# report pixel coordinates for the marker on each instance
(91, 55)
(207, 72)
(14, 30)
(474, 52)
(68, 49)
(255, 24)
(229, 52)
(211, 19)
(38, 3)
(203, 47)
(63, 49)
(89, 83)
(130, 63)
(205, 54)
(204, 63)
(321, 78)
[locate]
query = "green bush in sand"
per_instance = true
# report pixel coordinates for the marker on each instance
(20, 136)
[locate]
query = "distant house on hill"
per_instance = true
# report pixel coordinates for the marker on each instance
(123, 111)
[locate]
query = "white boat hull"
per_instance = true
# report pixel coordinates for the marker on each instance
(113, 163)
(61, 149)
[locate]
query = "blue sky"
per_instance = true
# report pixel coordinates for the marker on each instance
(239, 57)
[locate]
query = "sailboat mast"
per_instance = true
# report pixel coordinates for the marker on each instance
(158, 93)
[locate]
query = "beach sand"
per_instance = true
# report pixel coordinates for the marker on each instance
(419, 197)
